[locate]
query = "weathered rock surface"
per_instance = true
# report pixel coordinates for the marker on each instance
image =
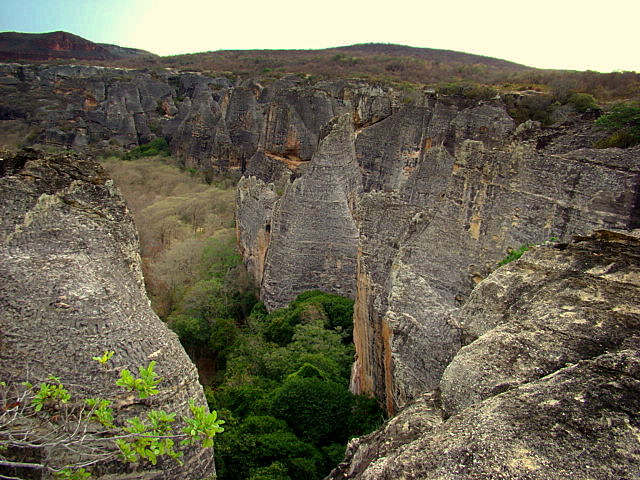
(212, 124)
(496, 199)
(313, 233)
(448, 186)
(556, 306)
(72, 288)
(549, 390)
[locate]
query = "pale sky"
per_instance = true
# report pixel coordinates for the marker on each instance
(563, 34)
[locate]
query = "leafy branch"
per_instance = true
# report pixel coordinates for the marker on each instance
(73, 436)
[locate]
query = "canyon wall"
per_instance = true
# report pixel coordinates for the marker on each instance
(72, 288)
(547, 386)
(445, 187)
(404, 202)
(401, 200)
(212, 124)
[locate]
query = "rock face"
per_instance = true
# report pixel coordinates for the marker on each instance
(548, 388)
(313, 233)
(72, 288)
(212, 124)
(444, 187)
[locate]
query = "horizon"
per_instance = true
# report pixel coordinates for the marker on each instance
(567, 36)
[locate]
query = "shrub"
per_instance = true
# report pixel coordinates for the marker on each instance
(45, 421)
(155, 148)
(515, 254)
(582, 102)
(468, 89)
(623, 123)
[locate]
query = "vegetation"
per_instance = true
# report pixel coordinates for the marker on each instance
(285, 392)
(390, 64)
(279, 379)
(155, 148)
(178, 216)
(623, 124)
(515, 254)
(44, 429)
(468, 89)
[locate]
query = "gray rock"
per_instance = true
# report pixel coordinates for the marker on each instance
(561, 325)
(556, 306)
(494, 200)
(72, 288)
(313, 233)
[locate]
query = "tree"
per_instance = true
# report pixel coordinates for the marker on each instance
(43, 428)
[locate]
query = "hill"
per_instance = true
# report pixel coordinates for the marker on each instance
(374, 61)
(388, 64)
(15, 46)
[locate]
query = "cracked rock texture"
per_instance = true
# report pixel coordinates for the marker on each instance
(72, 288)
(212, 124)
(442, 189)
(548, 388)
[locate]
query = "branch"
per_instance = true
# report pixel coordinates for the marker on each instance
(7, 463)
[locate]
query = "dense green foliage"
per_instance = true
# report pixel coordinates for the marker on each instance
(155, 148)
(623, 123)
(285, 392)
(259, 366)
(582, 102)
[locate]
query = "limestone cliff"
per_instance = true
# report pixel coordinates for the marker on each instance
(72, 288)
(448, 185)
(548, 388)
(212, 124)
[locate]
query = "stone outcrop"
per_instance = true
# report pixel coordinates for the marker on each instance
(547, 388)
(556, 306)
(314, 237)
(72, 288)
(448, 185)
(212, 124)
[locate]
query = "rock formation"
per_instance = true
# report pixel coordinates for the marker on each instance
(445, 187)
(212, 124)
(405, 203)
(72, 288)
(548, 388)
(314, 238)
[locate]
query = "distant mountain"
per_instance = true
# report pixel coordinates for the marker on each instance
(431, 54)
(372, 61)
(16, 46)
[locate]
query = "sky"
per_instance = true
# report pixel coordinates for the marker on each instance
(560, 34)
